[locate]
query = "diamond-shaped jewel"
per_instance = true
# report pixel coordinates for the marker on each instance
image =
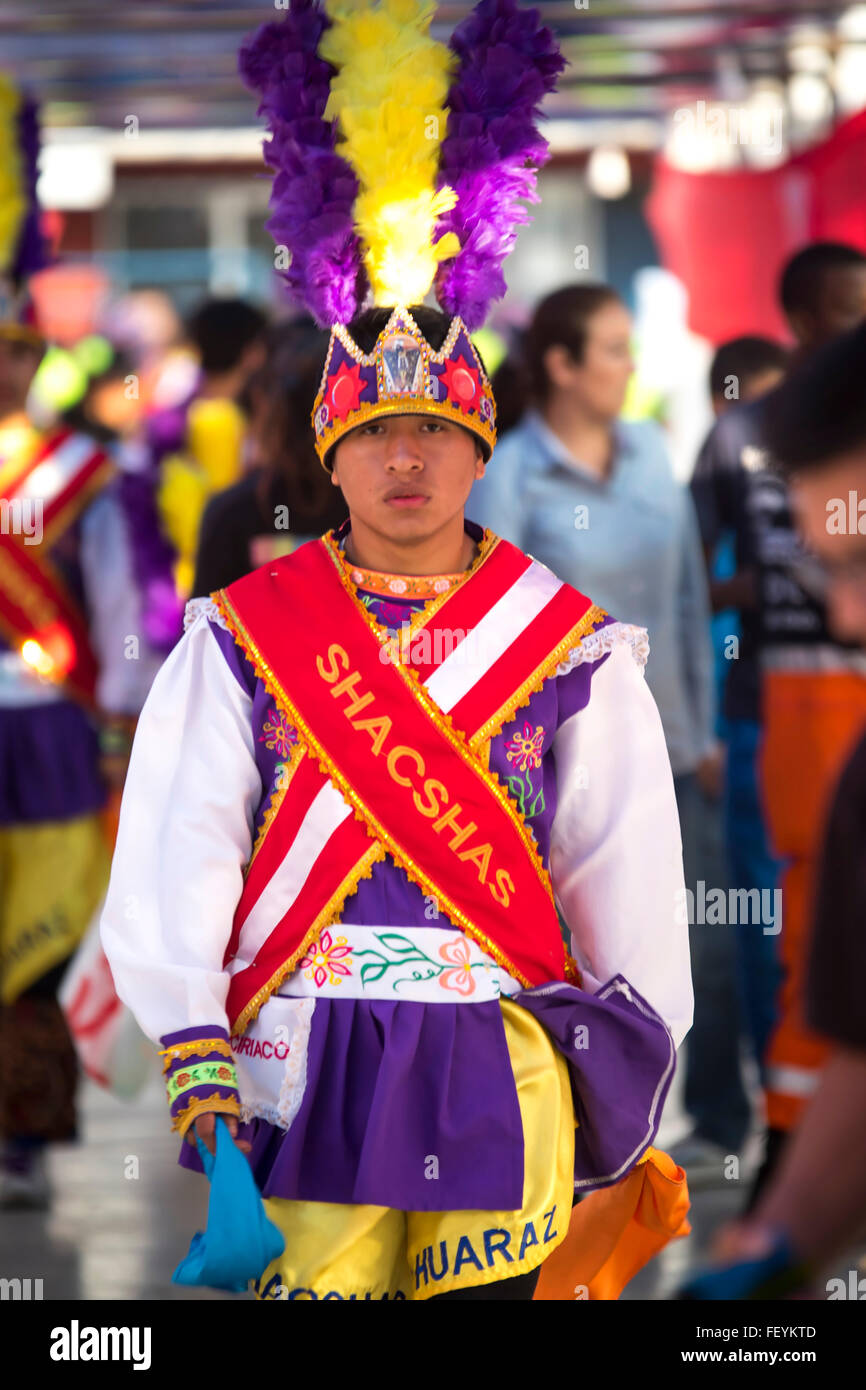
(403, 364)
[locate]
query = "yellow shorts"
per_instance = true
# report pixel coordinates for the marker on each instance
(366, 1252)
(52, 876)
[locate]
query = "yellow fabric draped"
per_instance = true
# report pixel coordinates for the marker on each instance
(52, 877)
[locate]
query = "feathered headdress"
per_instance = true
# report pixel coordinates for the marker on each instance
(400, 162)
(22, 248)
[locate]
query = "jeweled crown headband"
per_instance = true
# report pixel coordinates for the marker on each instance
(403, 375)
(399, 164)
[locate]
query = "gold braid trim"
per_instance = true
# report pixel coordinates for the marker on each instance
(358, 807)
(328, 917)
(201, 1105)
(196, 1047)
(524, 692)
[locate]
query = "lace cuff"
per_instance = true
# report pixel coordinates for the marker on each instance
(599, 643)
(198, 606)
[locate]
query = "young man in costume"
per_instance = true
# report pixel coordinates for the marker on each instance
(68, 697)
(366, 778)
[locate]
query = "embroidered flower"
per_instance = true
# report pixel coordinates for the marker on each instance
(457, 954)
(524, 750)
(441, 586)
(327, 960)
(224, 1074)
(277, 733)
(182, 1078)
(357, 577)
(397, 586)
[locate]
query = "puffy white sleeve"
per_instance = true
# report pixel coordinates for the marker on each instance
(616, 854)
(186, 826)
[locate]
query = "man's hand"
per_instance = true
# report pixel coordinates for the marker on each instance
(205, 1128)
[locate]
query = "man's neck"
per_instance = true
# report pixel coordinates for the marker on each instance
(448, 551)
(587, 438)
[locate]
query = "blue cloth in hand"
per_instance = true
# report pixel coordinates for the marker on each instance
(240, 1241)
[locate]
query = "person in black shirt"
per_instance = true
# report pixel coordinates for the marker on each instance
(286, 498)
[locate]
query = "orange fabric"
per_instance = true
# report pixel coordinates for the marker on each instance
(615, 1231)
(812, 720)
(793, 1044)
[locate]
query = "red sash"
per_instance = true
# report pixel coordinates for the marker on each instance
(37, 614)
(416, 779)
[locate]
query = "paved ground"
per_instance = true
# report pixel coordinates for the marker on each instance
(125, 1212)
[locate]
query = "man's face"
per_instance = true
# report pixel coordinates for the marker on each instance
(826, 502)
(18, 364)
(842, 306)
(406, 476)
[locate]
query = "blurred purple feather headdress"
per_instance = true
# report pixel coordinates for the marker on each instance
(314, 188)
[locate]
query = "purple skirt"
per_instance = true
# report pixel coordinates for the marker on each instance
(390, 1084)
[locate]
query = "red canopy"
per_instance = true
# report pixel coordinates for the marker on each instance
(727, 235)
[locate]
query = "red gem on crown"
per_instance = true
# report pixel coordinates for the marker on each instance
(462, 383)
(344, 390)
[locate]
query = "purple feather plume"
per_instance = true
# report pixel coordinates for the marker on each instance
(314, 188)
(507, 63)
(32, 253)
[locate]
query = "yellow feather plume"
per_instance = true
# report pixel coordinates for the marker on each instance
(13, 202)
(389, 100)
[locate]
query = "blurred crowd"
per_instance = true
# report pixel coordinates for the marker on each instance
(199, 434)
